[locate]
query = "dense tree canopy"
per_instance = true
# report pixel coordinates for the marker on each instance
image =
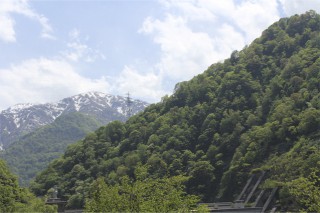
(16, 199)
(260, 106)
(143, 195)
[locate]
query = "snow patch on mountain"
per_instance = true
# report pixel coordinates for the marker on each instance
(24, 118)
(19, 107)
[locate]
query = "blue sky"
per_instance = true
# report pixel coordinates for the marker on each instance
(55, 49)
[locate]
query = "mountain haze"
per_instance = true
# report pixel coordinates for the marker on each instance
(257, 111)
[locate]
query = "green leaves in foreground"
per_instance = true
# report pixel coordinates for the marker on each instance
(306, 191)
(142, 195)
(16, 199)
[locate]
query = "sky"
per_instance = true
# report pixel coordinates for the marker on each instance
(52, 49)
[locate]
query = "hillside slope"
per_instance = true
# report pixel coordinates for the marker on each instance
(256, 110)
(33, 152)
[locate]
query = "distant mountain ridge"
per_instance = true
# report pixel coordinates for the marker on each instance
(21, 119)
(32, 152)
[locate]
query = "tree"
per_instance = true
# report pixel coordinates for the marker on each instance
(9, 189)
(202, 177)
(143, 195)
(16, 199)
(310, 121)
(306, 191)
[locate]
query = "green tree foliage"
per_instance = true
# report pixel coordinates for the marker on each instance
(9, 189)
(258, 109)
(202, 178)
(306, 191)
(143, 195)
(16, 199)
(296, 172)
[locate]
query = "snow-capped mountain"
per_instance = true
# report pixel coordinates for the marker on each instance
(20, 119)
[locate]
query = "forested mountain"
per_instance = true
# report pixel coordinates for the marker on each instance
(21, 119)
(258, 110)
(34, 151)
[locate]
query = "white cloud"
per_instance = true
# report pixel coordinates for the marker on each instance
(44, 80)
(292, 7)
(78, 50)
(184, 52)
(187, 49)
(227, 39)
(192, 10)
(193, 34)
(74, 34)
(9, 7)
(252, 17)
(144, 86)
(46, 28)
(7, 32)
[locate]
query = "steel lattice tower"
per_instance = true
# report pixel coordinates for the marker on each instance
(129, 106)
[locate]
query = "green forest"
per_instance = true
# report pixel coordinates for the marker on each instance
(259, 110)
(34, 151)
(16, 199)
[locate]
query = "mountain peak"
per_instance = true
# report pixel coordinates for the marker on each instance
(19, 107)
(24, 118)
(91, 94)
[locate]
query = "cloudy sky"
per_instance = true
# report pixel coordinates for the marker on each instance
(54, 49)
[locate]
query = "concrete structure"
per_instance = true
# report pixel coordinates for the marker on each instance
(251, 198)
